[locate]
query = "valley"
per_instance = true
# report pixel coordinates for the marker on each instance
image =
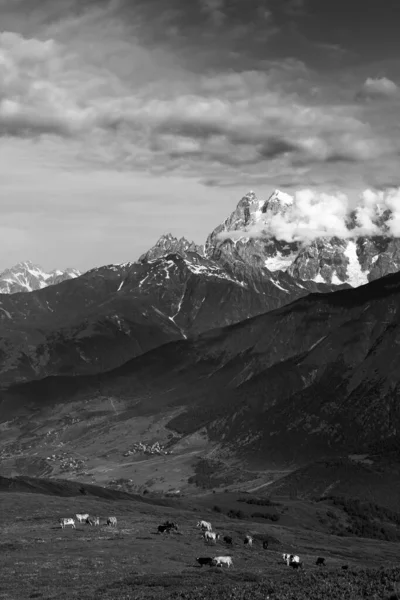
(229, 381)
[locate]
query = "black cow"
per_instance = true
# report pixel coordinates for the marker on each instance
(265, 544)
(205, 560)
(296, 565)
(163, 529)
(345, 567)
(320, 561)
(227, 539)
(166, 528)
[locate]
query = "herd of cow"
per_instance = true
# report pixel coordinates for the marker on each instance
(86, 518)
(218, 561)
(292, 560)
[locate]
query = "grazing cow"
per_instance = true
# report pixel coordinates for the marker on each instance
(163, 529)
(166, 528)
(289, 558)
(64, 522)
(82, 518)
(248, 540)
(211, 537)
(171, 525)
(93, 521)
(204, 525)
(112, 521)
(320, 561)
(228, 540)
(285, 558)
(265, 544)
(219, 561)
(345, 567)
(206, 560)
(296, 565)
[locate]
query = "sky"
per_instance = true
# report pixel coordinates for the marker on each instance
(122, 120)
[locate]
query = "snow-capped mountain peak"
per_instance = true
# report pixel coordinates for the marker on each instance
(281, 197)
(26, 276)
(278, 202)
(354, 261)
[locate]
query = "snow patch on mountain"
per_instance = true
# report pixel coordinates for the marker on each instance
(279, 286)
(336, 280)
(211, 271)
(355, 275)
(318, 279)
(279, 262)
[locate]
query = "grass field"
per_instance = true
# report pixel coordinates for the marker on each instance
(40, 560)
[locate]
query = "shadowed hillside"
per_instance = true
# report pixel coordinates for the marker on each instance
(316, 378)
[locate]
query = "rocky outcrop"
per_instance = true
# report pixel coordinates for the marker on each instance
(168, 244)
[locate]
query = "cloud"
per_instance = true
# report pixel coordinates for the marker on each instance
(212, 93)
(31, 101)
(178, 121)
(314, 215)
(294, 8)
(214, 9)
(378, 88)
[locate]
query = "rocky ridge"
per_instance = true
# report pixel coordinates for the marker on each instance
(168, 244)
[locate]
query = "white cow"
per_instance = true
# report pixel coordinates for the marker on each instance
(82, 518)
(204, 525)
(93, 521)
(219, 561)
(112, 521)
(64, 522)
(290, 558)
(209, 536)
(248, 540)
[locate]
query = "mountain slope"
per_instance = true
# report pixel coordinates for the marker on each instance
(372, 478)
(71, 327)
(317, 377)
(26, 277)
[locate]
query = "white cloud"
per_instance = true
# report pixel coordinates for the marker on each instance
(379, 88)
(314, 215)
(232, 118)
(32, 99)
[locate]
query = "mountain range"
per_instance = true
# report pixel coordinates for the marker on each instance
(260, 351)
(27, 277)
(353, 260)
